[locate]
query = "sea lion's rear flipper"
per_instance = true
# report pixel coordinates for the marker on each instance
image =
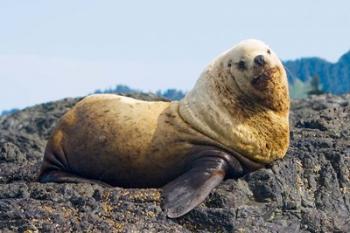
(64, 177)
(190, 189)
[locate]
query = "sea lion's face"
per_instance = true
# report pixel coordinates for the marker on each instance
(255, 68)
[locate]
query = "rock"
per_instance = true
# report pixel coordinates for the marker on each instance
(307, 191)
(9, 152)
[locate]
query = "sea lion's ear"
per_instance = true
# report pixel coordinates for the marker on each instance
(190, 189)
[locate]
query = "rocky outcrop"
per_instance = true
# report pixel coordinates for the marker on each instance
(308, 191)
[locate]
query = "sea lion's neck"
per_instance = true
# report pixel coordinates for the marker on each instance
(215, 101)
(207, 109)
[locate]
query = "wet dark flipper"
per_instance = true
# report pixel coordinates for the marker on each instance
(190, 189)
(65, 177)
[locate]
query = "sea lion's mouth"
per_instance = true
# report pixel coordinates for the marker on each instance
(263, 78)
(260, 82)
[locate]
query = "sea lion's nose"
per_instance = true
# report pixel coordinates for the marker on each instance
(259, 60)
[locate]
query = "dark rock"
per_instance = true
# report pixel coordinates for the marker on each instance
(11, 153)
(307, 191)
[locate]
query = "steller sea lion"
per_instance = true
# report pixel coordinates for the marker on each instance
(233, 121)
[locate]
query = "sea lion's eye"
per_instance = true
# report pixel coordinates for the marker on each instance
(241, 65)
(229, 64)
(269, 51)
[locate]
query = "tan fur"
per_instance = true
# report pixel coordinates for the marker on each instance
(135, 143)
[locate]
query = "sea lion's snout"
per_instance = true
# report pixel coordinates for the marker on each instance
(260, 60)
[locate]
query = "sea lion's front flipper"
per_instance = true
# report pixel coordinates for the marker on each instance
(190, 189)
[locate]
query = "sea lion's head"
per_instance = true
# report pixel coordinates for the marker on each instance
(257, 73)
(241, 101)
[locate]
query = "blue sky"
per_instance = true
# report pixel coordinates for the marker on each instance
(55, 49)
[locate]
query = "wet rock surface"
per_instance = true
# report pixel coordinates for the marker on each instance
(308, 191)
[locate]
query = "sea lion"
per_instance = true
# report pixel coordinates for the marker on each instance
(233, 121)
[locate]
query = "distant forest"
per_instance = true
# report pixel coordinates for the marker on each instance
(8, 112)
(315, 76)
(170, 94)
